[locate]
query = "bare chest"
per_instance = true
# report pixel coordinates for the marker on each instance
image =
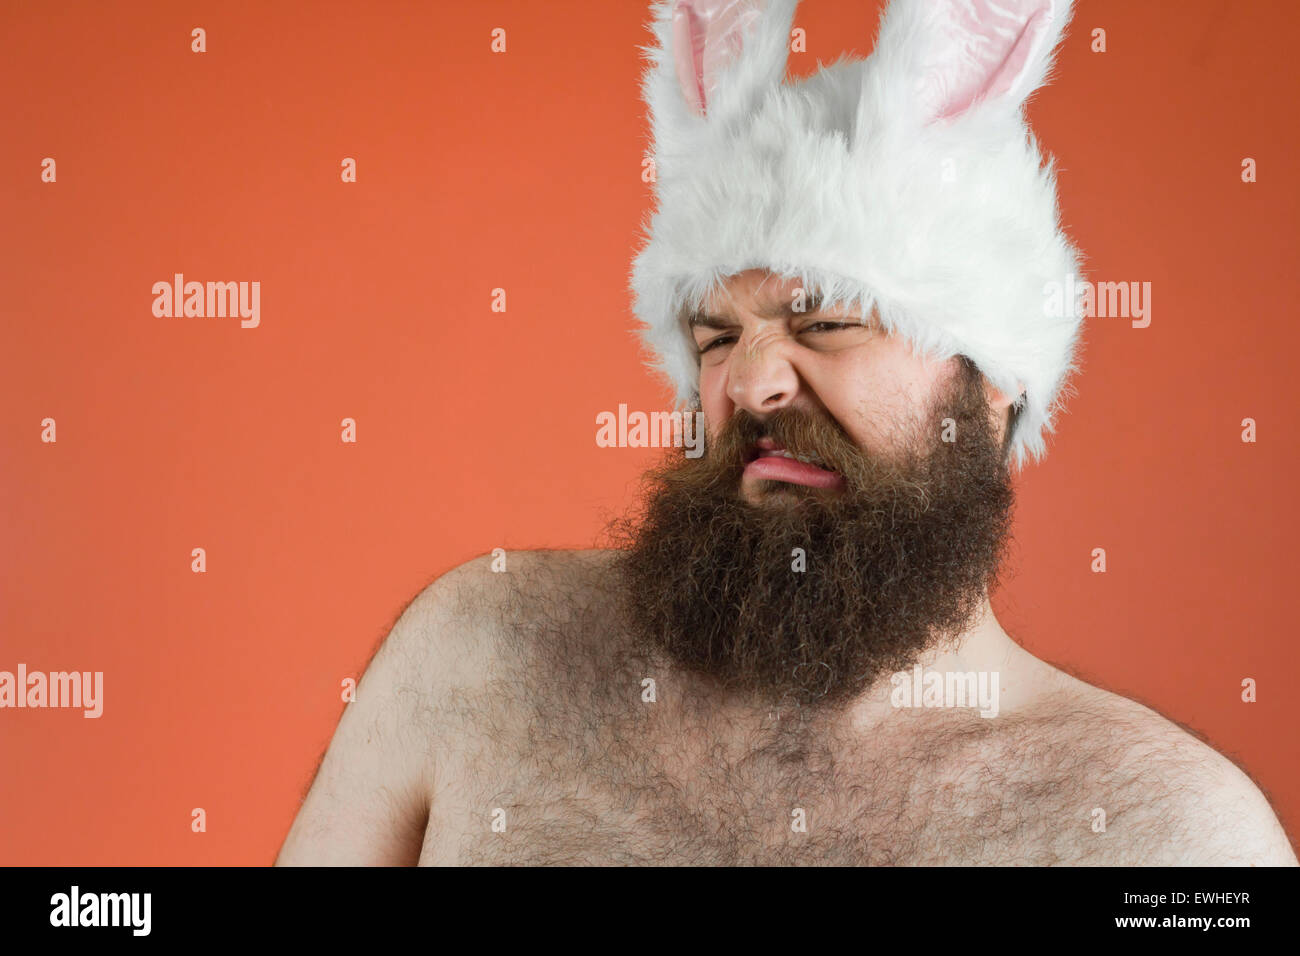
(622, 794)
(559, 756)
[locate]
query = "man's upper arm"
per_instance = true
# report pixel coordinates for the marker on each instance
(1236, 824)
(369, 801)
(1202, 809)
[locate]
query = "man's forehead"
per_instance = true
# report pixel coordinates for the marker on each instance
(766, 294)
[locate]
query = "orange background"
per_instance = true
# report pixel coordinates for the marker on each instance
(476, 429)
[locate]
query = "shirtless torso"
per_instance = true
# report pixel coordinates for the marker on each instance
(506, 721)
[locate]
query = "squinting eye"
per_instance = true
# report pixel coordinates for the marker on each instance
(720, 340)
(828, 326)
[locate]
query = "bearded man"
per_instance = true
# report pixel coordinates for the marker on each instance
(849, 279)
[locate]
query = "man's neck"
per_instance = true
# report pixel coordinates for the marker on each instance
(896, 703)
(1002, 669)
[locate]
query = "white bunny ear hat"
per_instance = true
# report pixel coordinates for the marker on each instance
(908, 182)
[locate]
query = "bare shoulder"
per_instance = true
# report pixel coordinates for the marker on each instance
(458, 645)
(467, 599)
(1160, 795)
(486, 617)
(369, 800)
(520, 583)
(448, 676)
(468, 652)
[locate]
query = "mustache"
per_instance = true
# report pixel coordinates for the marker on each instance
(923, 446)
(801, 433)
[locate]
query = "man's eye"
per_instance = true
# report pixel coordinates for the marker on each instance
(720, 340)
(827, 326)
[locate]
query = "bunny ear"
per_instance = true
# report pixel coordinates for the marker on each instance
(960, 53)
(707, 36)
(713, 58)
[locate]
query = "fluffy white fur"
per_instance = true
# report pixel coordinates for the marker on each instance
(839, 180)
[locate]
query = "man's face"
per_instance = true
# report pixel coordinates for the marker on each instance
(758, 355)
(806, 580)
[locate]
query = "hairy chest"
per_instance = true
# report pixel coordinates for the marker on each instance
(624, 794)
(563, 756)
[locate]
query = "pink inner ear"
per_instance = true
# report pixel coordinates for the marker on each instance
(707, 35)
(983, 50)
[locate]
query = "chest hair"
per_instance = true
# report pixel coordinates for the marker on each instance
(561, 760)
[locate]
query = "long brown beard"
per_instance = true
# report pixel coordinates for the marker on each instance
(896, 563)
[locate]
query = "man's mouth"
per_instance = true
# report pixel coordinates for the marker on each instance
(770, 460)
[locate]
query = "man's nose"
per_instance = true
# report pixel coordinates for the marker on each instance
(760, 378)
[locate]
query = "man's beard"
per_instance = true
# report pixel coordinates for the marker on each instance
(896, 563)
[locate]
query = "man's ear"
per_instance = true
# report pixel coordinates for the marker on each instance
(999, 404)
(999, 400)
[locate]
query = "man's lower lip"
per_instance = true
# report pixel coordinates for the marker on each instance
(778, 468)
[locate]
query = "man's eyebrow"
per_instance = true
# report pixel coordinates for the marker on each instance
(703, 320)
(772, 310)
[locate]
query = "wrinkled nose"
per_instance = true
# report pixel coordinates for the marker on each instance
(760, 379)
